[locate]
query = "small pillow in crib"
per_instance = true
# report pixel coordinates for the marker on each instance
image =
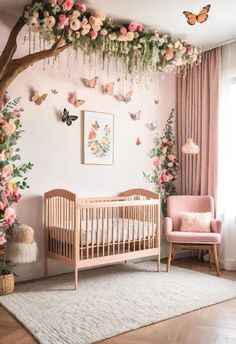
(195, 222)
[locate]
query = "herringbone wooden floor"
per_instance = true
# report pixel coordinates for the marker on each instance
(212, 325)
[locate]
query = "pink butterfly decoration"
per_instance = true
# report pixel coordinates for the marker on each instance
(156, 101)
(73, 99)
(91, 83)
(108, 88)
(126, 98)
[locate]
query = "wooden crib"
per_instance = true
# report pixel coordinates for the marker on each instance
(85, 232)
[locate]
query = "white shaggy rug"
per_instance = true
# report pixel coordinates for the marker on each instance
(111, 300)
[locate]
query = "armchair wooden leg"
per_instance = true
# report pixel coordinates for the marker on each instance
(216, 259)
(210, 256)
(169, 256)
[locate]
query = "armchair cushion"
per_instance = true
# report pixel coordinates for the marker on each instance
(195, 222)
(193, 238)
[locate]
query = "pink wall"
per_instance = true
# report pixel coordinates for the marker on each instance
(55, 149)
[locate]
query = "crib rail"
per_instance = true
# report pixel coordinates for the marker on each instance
(117, 227)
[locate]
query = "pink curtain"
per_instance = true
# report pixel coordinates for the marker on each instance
(197, 117)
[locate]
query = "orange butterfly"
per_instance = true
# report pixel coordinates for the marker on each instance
(37, 99)
(138, 142)
(108, 88)
(126, 98)
(192, 18)
(73, 99)
(95, 125)
(91, 83)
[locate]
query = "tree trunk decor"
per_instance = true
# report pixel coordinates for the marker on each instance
(67, 23)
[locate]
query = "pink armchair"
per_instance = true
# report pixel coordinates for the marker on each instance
(192, 240)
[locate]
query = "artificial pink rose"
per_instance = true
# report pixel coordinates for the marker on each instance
(93, 34)
(171, 157)
(123, 30)
(6, 172)
(157, 162)
(2, 239)
(130, 36)
(16, 196)
(165, 36)
(9, 127)
(1, 205)
(2, 121)
(103, 32)
(50, 21)
(189, 50)
(75, 24)
(62, 17)
(101, 15)
(164, 178)
(46, 13)
(169, 54)
(132, 27)
(84, 22)
(140, 28)
(86, 29)
(63, 21)
(77, 34)
(96, 26)
(81, 7)
(9, 216)
(67, 5)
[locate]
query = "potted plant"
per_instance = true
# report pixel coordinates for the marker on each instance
(12, 180)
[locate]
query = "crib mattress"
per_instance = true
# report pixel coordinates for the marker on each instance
(111, 230)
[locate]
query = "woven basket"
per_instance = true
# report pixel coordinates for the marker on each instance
(6, 284)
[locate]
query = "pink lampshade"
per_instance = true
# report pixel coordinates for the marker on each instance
(190, 147)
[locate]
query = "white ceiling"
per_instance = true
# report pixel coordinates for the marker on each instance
(164, 16)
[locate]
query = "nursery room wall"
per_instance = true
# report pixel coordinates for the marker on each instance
(55, 149)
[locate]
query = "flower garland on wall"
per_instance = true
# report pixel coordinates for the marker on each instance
(165, 163)
(137, 48)
(11, 176)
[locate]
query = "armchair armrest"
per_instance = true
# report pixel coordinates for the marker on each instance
(216, 226)
(168, 226)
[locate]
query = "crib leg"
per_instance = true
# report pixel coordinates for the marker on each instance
(158, 263)
(45, 266)
(76, 278)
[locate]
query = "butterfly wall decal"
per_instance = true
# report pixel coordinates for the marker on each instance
(138, 141)
(126, 98)
(135, 115)
(192, 18)
(37, 99)
(152, 126)
(108, 88)
(66, 117)
(73, 99)
(54, 91)
(156, 101)
(91, 83)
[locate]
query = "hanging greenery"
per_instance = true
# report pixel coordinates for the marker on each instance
(138, 48)
(165, 163)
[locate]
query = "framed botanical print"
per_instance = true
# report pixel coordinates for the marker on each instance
(98, 139)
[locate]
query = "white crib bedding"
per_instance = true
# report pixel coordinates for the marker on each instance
(118, 229)
(108, 231)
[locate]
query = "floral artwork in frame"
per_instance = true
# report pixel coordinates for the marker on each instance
(98, 142)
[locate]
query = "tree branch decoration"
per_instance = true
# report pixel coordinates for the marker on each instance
(165, 163)
(65, 23)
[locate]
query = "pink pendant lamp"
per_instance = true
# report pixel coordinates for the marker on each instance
(190, 147)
